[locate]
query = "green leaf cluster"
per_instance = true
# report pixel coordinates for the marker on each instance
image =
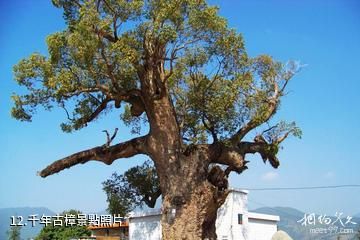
(215, 86)
(51, 232)
(127, 191)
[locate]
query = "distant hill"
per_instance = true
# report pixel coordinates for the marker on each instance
(289, 218)
(27, 232)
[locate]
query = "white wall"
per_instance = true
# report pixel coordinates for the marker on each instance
(261, 229)
(227, 226)
(145, 228)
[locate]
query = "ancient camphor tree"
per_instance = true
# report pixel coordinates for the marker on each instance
(179, 66)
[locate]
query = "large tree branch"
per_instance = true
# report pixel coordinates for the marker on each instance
(109, 68)
(278, 133)
(210, 128)
(96, 113)
(267, 151)
(103, 154)
(283, 137)
(132, 96)
(253, 123)
(105, 35)
(271, 104)
(234, 157)
(135, 98)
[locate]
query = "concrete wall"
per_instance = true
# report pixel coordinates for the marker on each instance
(227, 225)
(262, 226)
(145, 227)
(261, 229)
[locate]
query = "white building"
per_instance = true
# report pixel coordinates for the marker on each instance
(233, 222)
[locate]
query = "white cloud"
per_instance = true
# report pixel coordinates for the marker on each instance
(270, 176)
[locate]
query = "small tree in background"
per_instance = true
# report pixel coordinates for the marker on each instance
(137, 186)
(52, 232)
(14, 233)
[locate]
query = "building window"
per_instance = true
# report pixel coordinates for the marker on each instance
(240, 219)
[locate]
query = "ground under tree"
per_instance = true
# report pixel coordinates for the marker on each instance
(179, 67)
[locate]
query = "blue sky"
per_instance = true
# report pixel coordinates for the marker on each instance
(323, 100)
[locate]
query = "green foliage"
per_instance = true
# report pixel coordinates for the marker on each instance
(51, 232)
(129, 190)
(281, 129)
(132, 121)
(14, 233)
(215, 86)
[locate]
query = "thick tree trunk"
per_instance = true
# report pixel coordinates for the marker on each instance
(195, 217)
(190, 201)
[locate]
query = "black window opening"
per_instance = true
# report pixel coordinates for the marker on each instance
(240, 218)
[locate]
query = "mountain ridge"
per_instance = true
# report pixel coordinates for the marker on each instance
(27, 231)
